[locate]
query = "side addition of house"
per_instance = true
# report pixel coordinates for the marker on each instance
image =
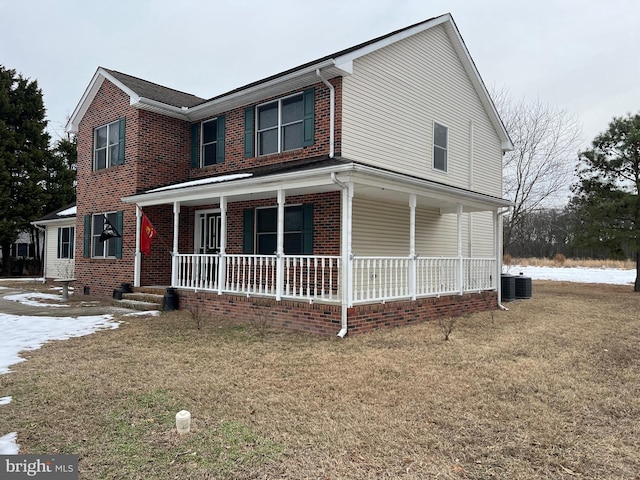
(358, 191)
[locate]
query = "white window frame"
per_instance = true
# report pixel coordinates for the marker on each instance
(106, 243)
(445, 148)
(202, 144)
(280, 126)
(72, 232)
(109, 161)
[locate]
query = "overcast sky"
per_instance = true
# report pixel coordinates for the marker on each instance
(582, 56)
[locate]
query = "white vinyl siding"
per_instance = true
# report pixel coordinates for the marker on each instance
(57, 267)
(381, 229)
(394, 96)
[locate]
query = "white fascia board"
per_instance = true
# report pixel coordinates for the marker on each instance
(257, 185)
(56, 221)
(385, 42)
(248, 95)
(86, 99)
(89, 94)
(372, 176)
(159, 107)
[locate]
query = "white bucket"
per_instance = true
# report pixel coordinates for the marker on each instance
(183, 421)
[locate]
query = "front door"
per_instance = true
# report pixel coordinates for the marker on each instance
(207, 243)
(208, 232)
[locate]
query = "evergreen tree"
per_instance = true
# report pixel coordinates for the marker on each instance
(24, 152)
(607, 194)
(60, 179)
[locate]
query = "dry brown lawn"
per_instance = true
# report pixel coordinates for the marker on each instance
(547, 390)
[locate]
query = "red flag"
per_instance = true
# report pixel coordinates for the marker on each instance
(147, 234)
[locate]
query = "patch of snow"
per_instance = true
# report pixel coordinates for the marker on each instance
(68, 211)
(8, 445)
(29, 332)
(22, 279)
(152, 313)
(24, 332)
(614, 276)
(203, 181)
(31, 299)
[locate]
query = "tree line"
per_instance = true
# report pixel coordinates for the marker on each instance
(601, 217)
(37, 175)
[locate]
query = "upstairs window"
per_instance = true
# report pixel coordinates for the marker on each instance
(281, 125)
(108, 145)
(440, 146)
(212, 150)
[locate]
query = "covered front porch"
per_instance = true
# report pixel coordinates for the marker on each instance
(387, 217)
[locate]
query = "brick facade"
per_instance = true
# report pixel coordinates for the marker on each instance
(157, 153)
(323, 319)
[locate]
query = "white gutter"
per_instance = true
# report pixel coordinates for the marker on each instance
(332, 103)
(345, 261)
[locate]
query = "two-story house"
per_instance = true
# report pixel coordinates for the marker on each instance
(357, 191)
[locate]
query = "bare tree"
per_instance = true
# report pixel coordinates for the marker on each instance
(539, 170)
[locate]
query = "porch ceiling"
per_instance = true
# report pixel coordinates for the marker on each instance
(369, 182)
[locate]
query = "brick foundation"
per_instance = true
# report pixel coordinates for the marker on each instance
(324, 319)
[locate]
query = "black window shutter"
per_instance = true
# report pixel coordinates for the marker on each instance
(87, 236)
(307, 229)
(195, 144)
(59, 242)
(308, 117)
(249, 113)
(247, 231)
(220, 140)
(118, 240)
(121, 133)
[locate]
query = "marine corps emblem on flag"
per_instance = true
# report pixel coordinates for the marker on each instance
(146, 235)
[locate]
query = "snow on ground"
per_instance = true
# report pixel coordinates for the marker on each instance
(150, 313)
(24, 332)
(31, 298)
(615, 276)
(8, 445)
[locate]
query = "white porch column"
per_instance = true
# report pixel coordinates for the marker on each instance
(137, 260)
(280, 246)
(412, 247)
(460, 266)
(174, 254)
(222, 259)
(347, 253)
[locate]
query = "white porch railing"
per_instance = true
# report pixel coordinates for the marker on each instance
(305, 277)
(319, 278)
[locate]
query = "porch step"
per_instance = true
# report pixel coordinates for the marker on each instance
(141, 301)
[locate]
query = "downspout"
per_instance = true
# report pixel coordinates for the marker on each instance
(498, 235)
(332, 109)
(44, 251)
(345, 253)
